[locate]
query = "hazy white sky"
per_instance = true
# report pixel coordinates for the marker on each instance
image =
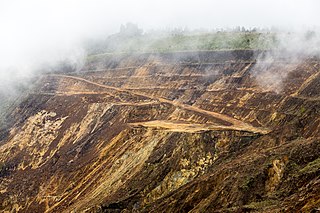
(82, 16)
(47, 30)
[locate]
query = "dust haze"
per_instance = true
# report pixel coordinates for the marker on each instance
(37, 35)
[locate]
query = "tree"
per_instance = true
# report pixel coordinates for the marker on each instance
(130, 30)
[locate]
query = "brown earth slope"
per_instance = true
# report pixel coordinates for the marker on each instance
(178, 132)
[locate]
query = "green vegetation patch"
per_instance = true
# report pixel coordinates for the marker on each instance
(143, 43)
(262, 204)
(311, 167)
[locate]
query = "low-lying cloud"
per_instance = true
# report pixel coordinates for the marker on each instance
(273, 67)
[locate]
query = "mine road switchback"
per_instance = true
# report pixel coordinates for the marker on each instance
(238, 124)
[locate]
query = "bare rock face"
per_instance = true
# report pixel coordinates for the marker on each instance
(174, 132)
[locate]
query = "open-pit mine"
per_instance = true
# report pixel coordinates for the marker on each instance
(166, 132)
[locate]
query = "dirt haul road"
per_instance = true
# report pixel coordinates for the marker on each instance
(239, 124)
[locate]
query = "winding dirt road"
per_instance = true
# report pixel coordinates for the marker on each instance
(239, 124)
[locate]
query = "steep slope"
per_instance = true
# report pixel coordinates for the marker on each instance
(171, 132)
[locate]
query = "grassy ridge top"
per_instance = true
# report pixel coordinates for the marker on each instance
(119, 43)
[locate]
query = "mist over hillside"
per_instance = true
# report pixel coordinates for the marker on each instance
(38, 35)
(159, 106)
(130, 39)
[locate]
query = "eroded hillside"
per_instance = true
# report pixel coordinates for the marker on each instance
(170, 132)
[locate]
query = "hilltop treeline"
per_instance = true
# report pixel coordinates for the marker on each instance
(131, 38)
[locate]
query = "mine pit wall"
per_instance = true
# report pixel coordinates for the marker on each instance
(111, 61)
(93, 159)
(221, 81)
(176, 160)
(77, 162)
